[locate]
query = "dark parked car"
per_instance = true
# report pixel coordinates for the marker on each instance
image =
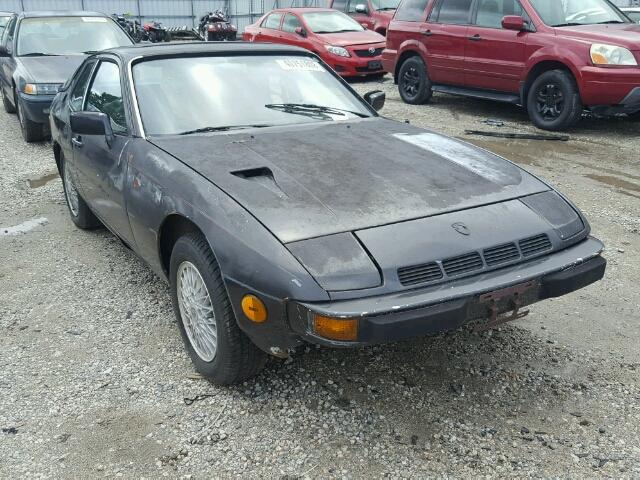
(555, 58)
(350, 49)
(282, 209)
(40, 51)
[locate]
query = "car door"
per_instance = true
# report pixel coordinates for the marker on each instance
(73, 103)
(8, 64)
(288, 33)
(270, 28)
(361, 14)
(495, 57)
(444, 36)
(102, 166)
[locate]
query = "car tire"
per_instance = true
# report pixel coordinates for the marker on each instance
(81, 214)
(219, 350)
(553, 101)
(414, 84)
(8, 106)
(31, 131)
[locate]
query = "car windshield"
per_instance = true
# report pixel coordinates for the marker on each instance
(563, 13)
(635, 16)
(68, 35)
(331, 22)
(385, 4)
(3, 22)
(198, 94)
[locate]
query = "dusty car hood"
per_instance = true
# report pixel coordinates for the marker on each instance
(626, 35)
(312, 180)
(344, 39)
(55, 69)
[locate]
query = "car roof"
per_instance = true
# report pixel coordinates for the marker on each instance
(61, 13)
(200, 48)
(7, 14)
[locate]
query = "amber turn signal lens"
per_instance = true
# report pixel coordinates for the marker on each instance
(598, 59)
(254, 309)
(342, 329)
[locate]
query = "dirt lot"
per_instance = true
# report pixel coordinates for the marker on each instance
(94, 381)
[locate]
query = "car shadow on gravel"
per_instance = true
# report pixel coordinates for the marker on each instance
(415, 385)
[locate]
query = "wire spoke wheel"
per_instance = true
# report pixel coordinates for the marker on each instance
(196, 311)
(70, 191)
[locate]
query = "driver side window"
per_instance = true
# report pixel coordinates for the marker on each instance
(80, 88)
(7, 38)
(105, 95)
(491, 12)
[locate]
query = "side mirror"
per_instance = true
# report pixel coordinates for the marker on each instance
(376, 99)
(4, 52)
(92, 123)
(301, 31)
(362, 8)
(513, 22)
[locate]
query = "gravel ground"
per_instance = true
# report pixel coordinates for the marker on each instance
(94, 381)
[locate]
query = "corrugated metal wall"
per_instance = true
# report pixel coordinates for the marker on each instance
(169, 12)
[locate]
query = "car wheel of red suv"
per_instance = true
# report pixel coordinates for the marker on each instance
(413, 82)
(554, 102)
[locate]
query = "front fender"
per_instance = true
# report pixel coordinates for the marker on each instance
(571, 58)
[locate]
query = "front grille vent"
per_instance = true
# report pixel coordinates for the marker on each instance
(501, 254)
(469, 262)
(368, 54)
(534, 245)
(416, 274)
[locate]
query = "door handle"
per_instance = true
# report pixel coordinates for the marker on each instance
(427, 33)
(475, 38)
(77, 142)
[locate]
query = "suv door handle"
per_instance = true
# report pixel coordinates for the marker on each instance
(427, 33)
(475, 38)
(77, 141)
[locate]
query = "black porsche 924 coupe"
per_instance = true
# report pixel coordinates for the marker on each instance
(282, 209)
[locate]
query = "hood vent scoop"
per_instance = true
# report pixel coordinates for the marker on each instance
(262, 176)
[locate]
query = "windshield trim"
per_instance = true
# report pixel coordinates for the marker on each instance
(264, 53)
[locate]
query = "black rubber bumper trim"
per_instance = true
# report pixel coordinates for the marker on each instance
(572, 279)
(450, 315)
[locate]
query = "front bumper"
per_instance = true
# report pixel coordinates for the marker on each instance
(448, 306)
(355, 66)
(616, 90)
(36, 107)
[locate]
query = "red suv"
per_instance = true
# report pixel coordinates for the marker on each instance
(554, 58)
(372, 14)
(342, 43)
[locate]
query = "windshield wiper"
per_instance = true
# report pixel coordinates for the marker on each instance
(221, 129)
(610, 22)
(39, 54)
(311, 110)
(386, 8)
(570, 24)
(91, 52)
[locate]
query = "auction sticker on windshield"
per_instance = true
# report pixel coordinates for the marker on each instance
(305, 64)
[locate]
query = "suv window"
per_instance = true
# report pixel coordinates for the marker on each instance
(290, 23)
(339, 5)
(456, 12)
(272, 21)
(411, 10)
(491, 12)
(105, 96)
(80, 88)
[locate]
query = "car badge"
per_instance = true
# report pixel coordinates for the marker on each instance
(372, 50)
(461, 228)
